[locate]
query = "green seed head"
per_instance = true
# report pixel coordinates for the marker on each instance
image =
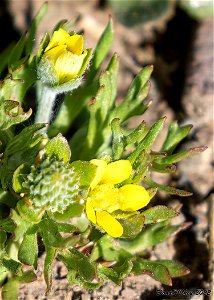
(52, 185)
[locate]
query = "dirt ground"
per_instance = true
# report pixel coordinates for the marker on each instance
(180, 49)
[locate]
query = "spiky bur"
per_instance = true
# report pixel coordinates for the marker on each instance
(52, 185)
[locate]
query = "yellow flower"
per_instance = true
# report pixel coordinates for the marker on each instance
(65, 56)
(104, 198)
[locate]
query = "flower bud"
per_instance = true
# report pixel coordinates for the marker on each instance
(63, 61)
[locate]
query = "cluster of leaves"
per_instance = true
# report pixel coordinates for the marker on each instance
(91, 257)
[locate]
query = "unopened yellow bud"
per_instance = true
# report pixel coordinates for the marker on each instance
(64, 59)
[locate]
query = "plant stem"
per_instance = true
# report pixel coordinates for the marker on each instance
(45, 105)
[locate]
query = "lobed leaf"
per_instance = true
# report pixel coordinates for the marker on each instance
(175, 135)
(148, 140)
(58, 148)
(156, 270)
(32, 32)
(28, 251)
(118, 143)
(117, 273)
(132, 225)
(17, 51)
(85, 170)
(12, 113)
(49, 258)
(28, 137)
(175, 268)
(4, 57)
(167, 189)
(10, 289)
(133, 102)
(158, 213)
(176, 157)
(149, 237)
(75, 260)
(73, 210)
(101, 50)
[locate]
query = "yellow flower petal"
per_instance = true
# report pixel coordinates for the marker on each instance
(117, 171)
(109, 224)
(101, 169)
(133, 197)
(58, 38)
(106, 197)
(90, 212)
(55, 52)
(75, 44)
(68, 65)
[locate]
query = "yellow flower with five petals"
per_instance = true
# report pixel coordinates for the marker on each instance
(104, 198)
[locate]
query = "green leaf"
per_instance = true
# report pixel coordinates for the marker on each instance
(74, 279)
(175, 135)
(133, 102)
(24, 76)
(137, 134)
(85, 171)
(58, 148)
(71, 108)
(28, 213)
(73, 210)
(16, 53)
(3, 238)
(12, 113)
(155, 270)
(104, 98)
(149, 237)
(12, 266)
(152, 192)
(86, 62)
(118, 143)
(19, 177)
(148, 140)
(32, 32)
(64, 227)
(155, 167)
(50, 231)
(10, 289)
(158, 213)
(44, 43)
(7, 225)
(4, 57)
(132, 225)
(21, 225)
(117, 273)
(167, 189)
(28, 251)
(176, 157)
(28, 137)
(113, 69)
(109, 249)
(7, 198)
(49, 258)
(108, 274)
(101, 50)
(175, 268)
(3, 274)
(75, 260)
(26, 277)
